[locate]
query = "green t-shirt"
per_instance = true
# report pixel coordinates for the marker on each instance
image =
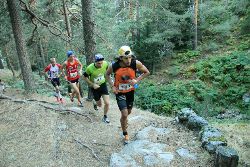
(97, 75)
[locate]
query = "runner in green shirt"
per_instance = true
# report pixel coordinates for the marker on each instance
(95, 77)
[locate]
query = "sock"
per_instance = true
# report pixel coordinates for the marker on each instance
(105, 116)
(125, 133)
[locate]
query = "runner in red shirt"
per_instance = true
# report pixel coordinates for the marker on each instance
(73, 72)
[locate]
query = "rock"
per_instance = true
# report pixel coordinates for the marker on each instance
(184, 114)
(142, 153)
(246, 98)
(76, 109)
(184, 153)
(212, 145)
(122, 160)
(196, 122)
(226, 157)
(211, 138)
(228, 114)
(151, 133)
(157, 159)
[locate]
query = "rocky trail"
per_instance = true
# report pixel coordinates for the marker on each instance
(35, 130)
(40, 132)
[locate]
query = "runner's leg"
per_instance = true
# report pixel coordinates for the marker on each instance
(106, 103)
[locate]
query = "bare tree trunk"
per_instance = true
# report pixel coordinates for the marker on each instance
(138, 20)
(67, 22)
(41, 53)
(88, 31)
(20, 47)
(40, 59)
(195, 23)
(1, 63)
(9, 65)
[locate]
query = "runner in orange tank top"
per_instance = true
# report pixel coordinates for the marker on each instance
(125, 83)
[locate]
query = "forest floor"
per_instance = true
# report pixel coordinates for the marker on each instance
(37, 132)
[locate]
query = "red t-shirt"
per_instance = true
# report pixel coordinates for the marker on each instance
(72, 70)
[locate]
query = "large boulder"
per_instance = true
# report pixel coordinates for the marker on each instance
(184, 114)
(226, 157)
(196, 122)
(211, 138)
(142, 153)
(122, 160)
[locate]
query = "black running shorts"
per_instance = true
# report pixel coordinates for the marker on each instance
(74, 81)
(55, 82)
(97, 93)
(125, 100)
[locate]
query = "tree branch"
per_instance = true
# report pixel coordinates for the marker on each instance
(2, 96)
(93, 152)
(52, 28)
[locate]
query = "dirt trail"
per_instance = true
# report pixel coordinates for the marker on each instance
(32, 135)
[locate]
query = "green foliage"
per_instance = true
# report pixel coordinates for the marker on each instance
(217, 21)
(222, 80)
(187, 56)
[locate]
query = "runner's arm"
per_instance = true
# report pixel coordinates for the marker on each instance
(61, 70)
(80, 64)
(86, 78)
(63, 66)
(45, 71)
(143, 69)
(108, 76)
(109, 79)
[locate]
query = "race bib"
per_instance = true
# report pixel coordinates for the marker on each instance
(98, 79)
(73, 75)
(124, 86)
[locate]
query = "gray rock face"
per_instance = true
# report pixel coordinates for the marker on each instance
(184, 153)
(145, 151)
(123, 160)
(226, 157)
(211, 138)
(184, 114)
(142, 153)
(151, 133)
(196, 122)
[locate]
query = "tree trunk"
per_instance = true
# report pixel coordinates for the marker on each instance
(1, 63)
(41, 63)
(88, 31)
(20, 47)
(9, 65)
(138, 21)
(67, 22)
(195, 23)
(41, 53)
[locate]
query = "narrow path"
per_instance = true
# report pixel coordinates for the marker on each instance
(32, 135)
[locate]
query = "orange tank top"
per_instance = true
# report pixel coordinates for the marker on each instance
(123, 75)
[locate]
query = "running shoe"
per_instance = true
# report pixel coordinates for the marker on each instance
(105, 120)
(80, 104)
(95, 106)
